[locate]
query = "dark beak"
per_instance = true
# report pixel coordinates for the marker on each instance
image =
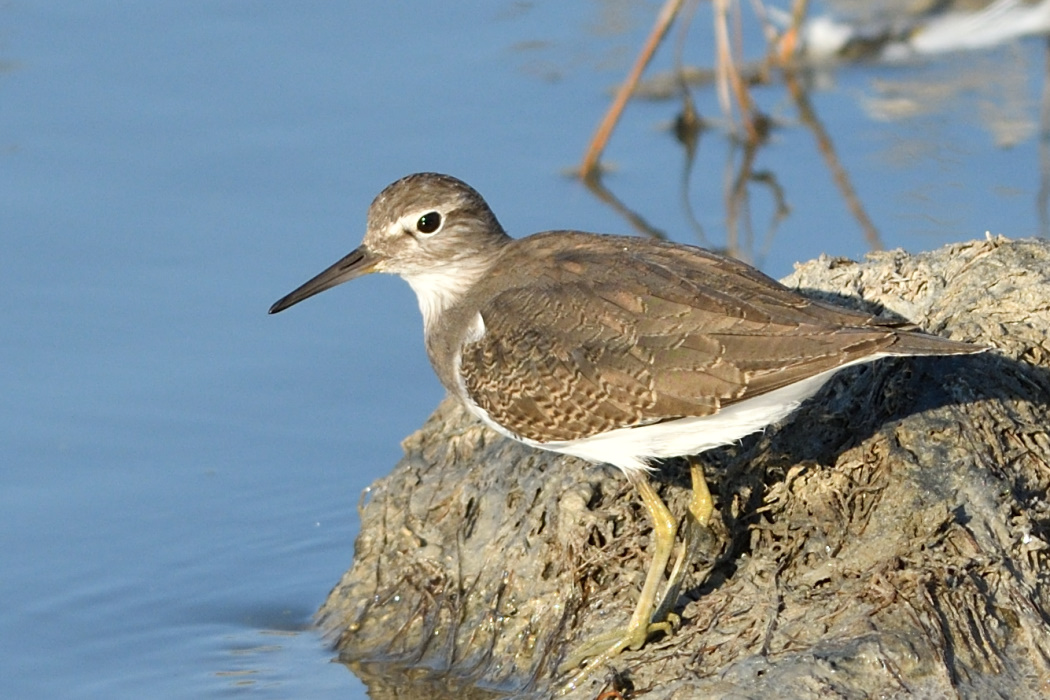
(358, 263)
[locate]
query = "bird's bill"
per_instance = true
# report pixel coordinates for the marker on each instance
(358, 263)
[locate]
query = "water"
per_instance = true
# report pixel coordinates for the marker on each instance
(178, 471)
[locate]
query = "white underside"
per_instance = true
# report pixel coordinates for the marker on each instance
(633, 449)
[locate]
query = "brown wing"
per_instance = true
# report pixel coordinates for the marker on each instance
(619, 332)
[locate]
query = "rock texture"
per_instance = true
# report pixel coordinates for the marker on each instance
(888, 540)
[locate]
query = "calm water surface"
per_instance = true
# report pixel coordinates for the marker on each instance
(179, 471)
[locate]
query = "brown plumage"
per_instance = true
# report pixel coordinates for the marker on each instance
(605, 332)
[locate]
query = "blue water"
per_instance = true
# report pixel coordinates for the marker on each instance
(179, 472)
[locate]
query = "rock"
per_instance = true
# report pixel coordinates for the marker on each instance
(889, 539)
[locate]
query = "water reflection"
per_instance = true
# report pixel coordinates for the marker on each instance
(800, 53)
(394, 682)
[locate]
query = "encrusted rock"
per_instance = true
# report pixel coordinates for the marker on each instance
(888, 540)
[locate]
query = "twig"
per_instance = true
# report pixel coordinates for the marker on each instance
(1043, 197)
(601, 137)
(831, 159)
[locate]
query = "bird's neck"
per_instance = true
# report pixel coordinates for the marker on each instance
(440, 288)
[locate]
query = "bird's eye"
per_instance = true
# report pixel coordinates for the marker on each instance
(429, 222)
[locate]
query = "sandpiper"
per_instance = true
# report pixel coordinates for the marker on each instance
(619, 350)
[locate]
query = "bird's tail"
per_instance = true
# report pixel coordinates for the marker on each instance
(910, 342)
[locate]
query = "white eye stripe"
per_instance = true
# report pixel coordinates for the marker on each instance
(423, 223)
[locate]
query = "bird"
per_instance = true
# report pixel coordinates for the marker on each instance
(620, 350)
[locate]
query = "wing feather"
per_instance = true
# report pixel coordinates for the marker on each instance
(657, 334)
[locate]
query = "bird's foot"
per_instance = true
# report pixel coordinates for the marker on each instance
(600, 650)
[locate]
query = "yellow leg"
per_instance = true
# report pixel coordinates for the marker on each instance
(641, 625)
(696, 535)
(649, 617)
(664, 529)
(702, 505)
